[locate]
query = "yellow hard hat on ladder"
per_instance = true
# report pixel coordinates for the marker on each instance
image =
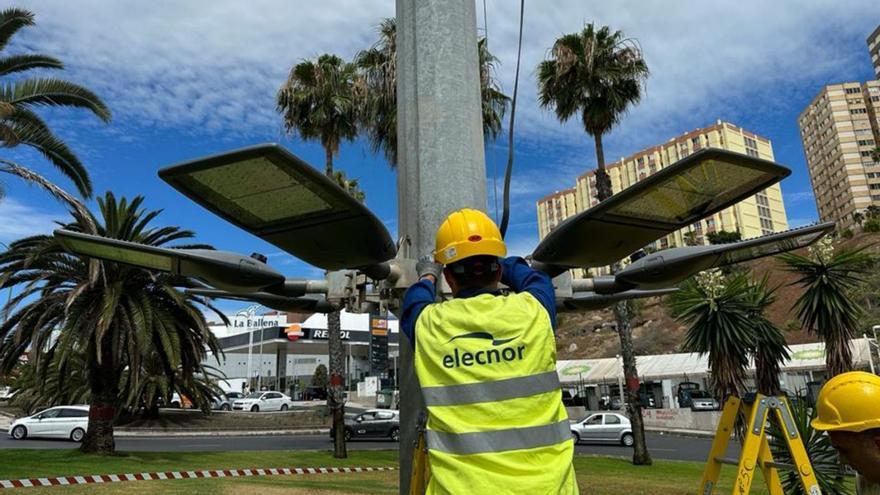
(465, 233)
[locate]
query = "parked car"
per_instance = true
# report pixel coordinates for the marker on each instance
(262, 401)
(233, 396)
(374, 423)
(221, 403)
(5, 393)
(702, 400)
(603, 428)
(69, 422)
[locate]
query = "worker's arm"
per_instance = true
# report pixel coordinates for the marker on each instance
(417, 297)
(520, 277)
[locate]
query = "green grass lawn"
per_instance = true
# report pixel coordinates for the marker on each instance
(595, 474)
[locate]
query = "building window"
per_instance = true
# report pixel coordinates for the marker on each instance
(851, 91)
(856, 111)
(751, 152)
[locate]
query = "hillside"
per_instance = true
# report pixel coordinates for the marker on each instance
(593, 334)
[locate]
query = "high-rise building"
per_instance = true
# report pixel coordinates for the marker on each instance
(874, 50)
(839, 129)
(554, 208)
(757, 215)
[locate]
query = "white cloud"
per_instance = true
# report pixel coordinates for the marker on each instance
(19, 220)
(797, 197)
(215, 67)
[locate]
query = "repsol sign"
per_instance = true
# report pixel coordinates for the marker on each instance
(459, 358)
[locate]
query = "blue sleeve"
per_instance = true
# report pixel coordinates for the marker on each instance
(520, 277)
(417, 297)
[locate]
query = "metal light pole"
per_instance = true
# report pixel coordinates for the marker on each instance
(870, 352)
(440, 146)
(249, 313)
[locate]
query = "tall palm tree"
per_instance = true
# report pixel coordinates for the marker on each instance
(21, 125)
(318, 102)
(875, 154)
(114, 317)
(770, 347)
(827, 307)
(718, 311)
(377, 91)
(597, 74)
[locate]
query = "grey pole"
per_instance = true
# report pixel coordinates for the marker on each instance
(440, 147)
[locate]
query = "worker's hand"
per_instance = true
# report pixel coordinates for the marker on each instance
(426, 266)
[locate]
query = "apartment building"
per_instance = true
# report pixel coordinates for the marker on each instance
(874, 50)
(760, 214)
(839, 129)
(555, 208)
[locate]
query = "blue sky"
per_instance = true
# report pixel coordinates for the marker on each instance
(186, 79)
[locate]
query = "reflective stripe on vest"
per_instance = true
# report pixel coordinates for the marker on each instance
(499, 440)
(472, 393)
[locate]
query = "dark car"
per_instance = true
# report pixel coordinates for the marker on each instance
(375, 423)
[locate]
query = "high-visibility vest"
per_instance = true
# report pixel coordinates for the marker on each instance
(496, 422)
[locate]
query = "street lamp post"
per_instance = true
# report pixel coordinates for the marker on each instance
(249, 313)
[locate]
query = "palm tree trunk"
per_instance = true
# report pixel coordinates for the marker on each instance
(336, 399)
(104, 384)
(328, 162)
(603, 180)
(838, 355)
(622, 314)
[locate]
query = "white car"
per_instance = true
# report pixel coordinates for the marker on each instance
(69, 422)
(603, 428)
(262, 401)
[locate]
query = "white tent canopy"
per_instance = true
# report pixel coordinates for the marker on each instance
(657, 367)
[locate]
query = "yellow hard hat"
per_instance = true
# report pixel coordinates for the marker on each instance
(465, 233)
(849, 402)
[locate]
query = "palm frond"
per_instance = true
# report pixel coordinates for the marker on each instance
(11, 20)
(21, 63)
(53, 92)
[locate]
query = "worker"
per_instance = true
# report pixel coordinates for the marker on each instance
(486, 364)
(849, 410)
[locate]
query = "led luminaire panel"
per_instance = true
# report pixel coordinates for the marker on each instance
(691, 189)
(115, 250)
(274, 195)
(670, 266)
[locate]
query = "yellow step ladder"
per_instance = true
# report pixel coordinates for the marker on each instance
(756, 454)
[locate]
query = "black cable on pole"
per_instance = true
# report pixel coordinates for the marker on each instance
(505, 217)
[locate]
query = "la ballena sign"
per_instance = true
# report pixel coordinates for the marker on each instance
(257, 321)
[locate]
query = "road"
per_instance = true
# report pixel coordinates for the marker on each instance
(660, 446)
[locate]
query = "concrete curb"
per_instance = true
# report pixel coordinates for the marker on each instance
(681, 432)
(120, 433)
(123, 433)
(181, 475)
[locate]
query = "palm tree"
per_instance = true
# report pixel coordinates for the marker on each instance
(875, 154)
(115, 317)
(827, 307)
(318, 102)
(718, 311)
(597, 74)
(20, 125)
(377, 91)
(770, 347)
